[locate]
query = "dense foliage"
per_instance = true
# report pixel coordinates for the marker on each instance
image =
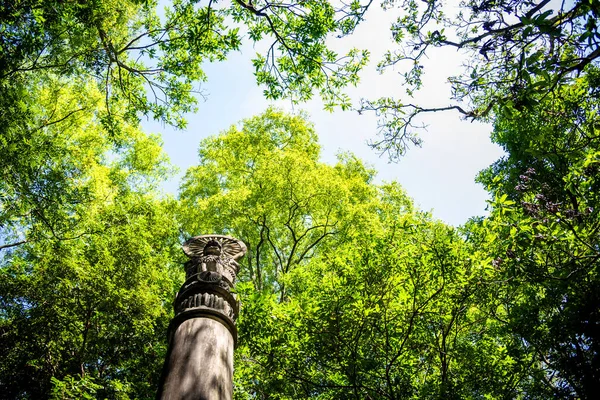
(89, 249)
(363, 296)
(546, 219)
(347, 291)
(87, 262)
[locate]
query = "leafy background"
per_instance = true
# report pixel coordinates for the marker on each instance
(349, 290)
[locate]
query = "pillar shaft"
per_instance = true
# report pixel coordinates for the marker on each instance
(199, 365)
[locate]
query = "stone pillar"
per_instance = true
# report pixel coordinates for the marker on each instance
(202, 335)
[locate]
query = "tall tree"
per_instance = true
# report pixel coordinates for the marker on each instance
(543, 233)
(265, 184)
(86, 267)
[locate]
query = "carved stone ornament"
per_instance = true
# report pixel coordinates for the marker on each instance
(230, 248)
(210, 275)
(215, 254)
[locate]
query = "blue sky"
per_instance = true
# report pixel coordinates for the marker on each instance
(439, 176)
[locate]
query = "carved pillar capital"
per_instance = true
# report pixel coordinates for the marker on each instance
(210, 276)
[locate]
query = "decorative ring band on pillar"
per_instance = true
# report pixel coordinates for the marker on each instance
(203, 299)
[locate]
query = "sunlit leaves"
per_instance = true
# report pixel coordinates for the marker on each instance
(153, 60)
(393, 313)
(386, 302)
(93, 306)
(55, 157)
(264, 183)
(87, 249)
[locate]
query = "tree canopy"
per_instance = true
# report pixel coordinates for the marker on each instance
(390, 303)
(347, 290)
(341, 272)
(84, 288)
(152, 59)
(110, 63)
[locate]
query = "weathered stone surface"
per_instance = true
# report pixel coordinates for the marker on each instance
(202, 335)
(200, 362)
